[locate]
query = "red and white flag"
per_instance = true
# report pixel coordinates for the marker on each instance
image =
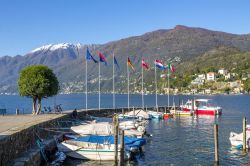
(144, 64)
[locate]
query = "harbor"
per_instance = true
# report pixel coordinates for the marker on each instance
(178, 140)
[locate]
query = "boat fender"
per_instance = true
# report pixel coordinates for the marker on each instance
(140, 129)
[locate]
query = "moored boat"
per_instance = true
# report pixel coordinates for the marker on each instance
(201, 107)
(136, 114)
(95, 147)
(236, 139)
(155, 115)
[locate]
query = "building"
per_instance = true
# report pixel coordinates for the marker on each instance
(222, 71)
(235, 84)
(202, 76)
(228, 76)
(207, 91)
(211, 76)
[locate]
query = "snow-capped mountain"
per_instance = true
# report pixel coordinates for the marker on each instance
(53, 47)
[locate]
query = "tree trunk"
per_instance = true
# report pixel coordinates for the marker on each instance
(34, 105)
(38, 106)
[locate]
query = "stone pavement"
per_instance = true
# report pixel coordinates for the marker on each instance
(10, 124)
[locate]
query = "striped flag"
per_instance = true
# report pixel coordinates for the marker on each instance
(144, 64)
(171, 67)
(130, 64)
(159, 64)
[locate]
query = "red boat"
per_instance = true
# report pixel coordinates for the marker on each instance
(202, 107)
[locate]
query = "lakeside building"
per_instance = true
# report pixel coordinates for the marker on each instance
(210, 76)
(222, 72)
(228, 76)
(200, 80)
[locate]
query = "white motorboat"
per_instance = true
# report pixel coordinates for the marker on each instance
(94, 147)
(136, 114)
(104, 128)
(155, 114)
(236, 139)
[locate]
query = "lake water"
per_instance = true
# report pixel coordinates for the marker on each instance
(71, 101)
(179, 141)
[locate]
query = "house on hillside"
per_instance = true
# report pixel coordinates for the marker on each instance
(208, 91)
(228, 76)
(210, 76)
(202, 76)
(236, 84)
(222, 71)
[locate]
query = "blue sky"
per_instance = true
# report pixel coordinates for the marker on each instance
(28, 24)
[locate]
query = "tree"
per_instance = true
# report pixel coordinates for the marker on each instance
(247, 85)
(37, 82)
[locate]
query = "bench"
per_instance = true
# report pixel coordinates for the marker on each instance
(3, 111)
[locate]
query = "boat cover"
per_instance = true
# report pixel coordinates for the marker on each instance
(110, 140)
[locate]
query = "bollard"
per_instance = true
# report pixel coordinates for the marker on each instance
(216, 144)
(122, 149)
(17, 111)
(244, 134)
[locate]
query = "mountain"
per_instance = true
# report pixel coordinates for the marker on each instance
(68, 61)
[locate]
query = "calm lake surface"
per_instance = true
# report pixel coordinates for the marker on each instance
(179, 141)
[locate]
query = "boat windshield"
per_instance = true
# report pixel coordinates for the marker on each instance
(207, 103)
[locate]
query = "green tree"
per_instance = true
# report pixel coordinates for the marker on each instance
(247, 85)
(37, 82)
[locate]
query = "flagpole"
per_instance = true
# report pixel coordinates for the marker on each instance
(156, 100)
(99, 89)
(113, 81)
(128, 84)
(142, 89)
(168, 87)
(86, 86)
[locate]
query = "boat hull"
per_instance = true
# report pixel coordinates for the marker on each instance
(87, 154)
(236, 139)
(204, 111)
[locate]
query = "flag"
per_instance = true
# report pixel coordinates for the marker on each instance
(144, 64)
(102, 59)
(171, 67)
(116, 63)
(130, 64)
(90, 57)
(159, 65)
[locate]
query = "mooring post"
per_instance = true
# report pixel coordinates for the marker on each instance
(244, 134)
(134, 112)
(182, 105)
(116, 132)
(216, 144)
(146, 108)
(192, 106)
(122, 149)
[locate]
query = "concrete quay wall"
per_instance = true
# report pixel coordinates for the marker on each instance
(18, 145)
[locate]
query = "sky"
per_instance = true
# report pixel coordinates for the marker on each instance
(28, 24)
